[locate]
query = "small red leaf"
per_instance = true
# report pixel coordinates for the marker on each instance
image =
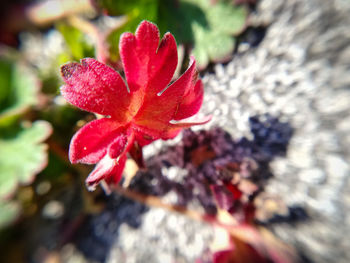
(186, 123)
(159, 110)
(147, 67)
(95, 87)
(145, 135)
(223, 197)
(191, 103)
(166, 62)
(117, 146)
(237, 194)
(90, 143)
(223, 256)
(116, 174)
(107, 169)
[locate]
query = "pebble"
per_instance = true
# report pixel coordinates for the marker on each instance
(333, 102)
(174, 173)
(301, 157)
(313, 176)
(53, 210)
(43, 188)
(344, 125)
(327, 140)
(336, 166)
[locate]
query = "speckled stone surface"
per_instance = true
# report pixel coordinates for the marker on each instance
(299, 72)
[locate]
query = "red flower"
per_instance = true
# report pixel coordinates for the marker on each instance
(137, 112)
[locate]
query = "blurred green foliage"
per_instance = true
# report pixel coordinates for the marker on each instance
(18, 89)
(9, 210)
(213, 40)
(22, 155)
(76, 42)
(135, 11)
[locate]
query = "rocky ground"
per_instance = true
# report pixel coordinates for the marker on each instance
(298, 73)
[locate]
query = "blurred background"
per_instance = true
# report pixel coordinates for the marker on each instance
(277, 81)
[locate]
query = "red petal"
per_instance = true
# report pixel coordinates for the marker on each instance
(145, 136)
(166, 62)
(191, 102)
(223, 197)
(158, 111)
(148, 66)
(116, 174)
(224, 256)
(117, 147)
(95, 87)
(171, 134)
(107, 169)
(122, 144)
(91, 142)
(195, 120)
(237, 194)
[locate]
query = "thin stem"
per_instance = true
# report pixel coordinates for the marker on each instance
(44, 13)
(222, 219)
(157, 202)
(63, 155)
(83, 25)
(58, 150)
(102, 53)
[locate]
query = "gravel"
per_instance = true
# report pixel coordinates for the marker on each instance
(298, 73)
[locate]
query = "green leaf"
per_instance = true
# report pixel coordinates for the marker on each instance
(75, 40)
(22, 155)
(8, 212)
(135, 11)
(5, 80)
(224, 21)
(209, 26)
(178, 17)
(18, 89)
(123, 7)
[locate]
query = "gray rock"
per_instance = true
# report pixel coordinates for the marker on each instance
(313, 176)
(336, 167)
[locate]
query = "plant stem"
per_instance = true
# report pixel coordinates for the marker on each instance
(102, 53)
(155, 201)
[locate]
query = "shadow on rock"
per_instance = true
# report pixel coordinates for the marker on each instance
(209, 168)
(96, 236)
